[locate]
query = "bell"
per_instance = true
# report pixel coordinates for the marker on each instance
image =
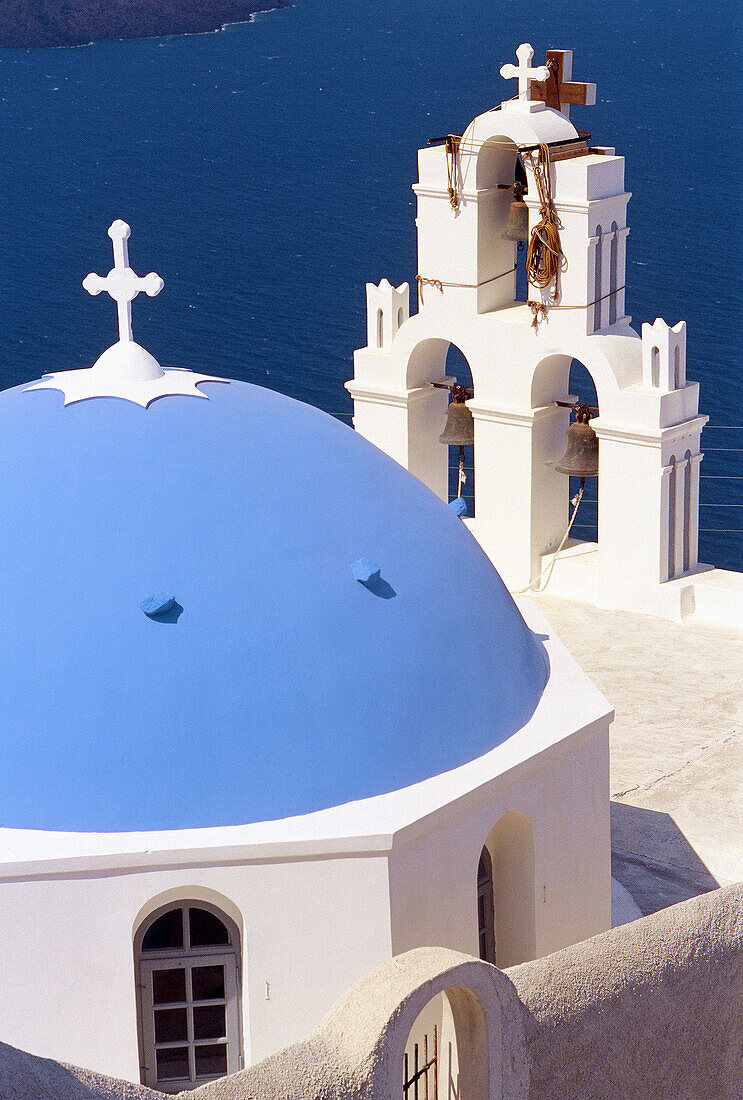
(518, 217)
(460, 427)
(581, 458)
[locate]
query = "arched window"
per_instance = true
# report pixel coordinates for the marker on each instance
(655, 368)
(677, 367)
(672, 518)
(613, 275)
(380, 328)
(486, 907)
(186, 959)
(400, 316)
(597, 280)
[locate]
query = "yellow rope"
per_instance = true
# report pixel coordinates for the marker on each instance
(422, 281)
(544, 258)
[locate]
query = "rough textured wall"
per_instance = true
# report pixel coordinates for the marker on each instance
(653, 1009)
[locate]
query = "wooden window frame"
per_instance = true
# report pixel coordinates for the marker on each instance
(187, 957)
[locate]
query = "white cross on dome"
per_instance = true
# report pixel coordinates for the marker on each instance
(524, 72)
(121, 282)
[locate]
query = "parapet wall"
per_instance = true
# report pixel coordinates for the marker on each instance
(653, 1009)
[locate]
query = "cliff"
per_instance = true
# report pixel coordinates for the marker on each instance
(28, 23)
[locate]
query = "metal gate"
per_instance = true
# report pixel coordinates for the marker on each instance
(421, 1082)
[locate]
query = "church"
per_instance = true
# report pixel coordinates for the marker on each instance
(266, 733)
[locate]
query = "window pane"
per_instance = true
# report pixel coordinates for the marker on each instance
(171, 1025)
(208, 982)
(172, 1063)
(211, 1060)
(168, 986)
(206, 929)
(166, 931)
(208, 1022)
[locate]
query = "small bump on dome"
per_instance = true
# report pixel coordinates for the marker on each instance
(366, 571)
(158, 604)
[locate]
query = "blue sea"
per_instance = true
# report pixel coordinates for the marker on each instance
(266, 173)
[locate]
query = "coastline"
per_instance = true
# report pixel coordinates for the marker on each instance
(197, 29)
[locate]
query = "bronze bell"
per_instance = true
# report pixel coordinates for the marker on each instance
(460, 427)
(518, 217)
(581, 459)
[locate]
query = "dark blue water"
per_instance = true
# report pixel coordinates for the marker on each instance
(266, 172)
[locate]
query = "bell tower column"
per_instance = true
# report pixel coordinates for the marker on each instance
(647, 522)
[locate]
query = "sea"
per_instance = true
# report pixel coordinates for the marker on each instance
(266, 172)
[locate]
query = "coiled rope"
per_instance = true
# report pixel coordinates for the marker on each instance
(544, 258)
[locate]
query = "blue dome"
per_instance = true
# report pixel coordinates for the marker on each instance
(262, 679)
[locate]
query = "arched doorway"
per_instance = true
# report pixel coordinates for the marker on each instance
(510, 848)
(447, 1055)
(187, 966)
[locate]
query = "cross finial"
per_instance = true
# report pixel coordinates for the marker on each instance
(523, 71)
(121, 282)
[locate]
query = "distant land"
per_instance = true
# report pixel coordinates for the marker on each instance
(32, 23)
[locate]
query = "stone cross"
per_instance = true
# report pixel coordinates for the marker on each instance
(523, 71)
(121, 282)
(560, 90)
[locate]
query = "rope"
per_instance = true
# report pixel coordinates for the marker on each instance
(422, 281)
(544, 258)
(452, 145)
(531, 586)
(541, 307)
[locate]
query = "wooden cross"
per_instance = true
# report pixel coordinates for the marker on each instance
(559, 90)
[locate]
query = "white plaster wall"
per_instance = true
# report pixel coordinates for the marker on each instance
(564, 793)
(310, 928)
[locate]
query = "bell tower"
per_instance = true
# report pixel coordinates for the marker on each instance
(520, 353)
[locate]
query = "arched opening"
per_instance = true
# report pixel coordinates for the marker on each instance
(613, 274)
(586, 526)
(400, 316)
(458, 367)
(671, 517)
(498, 168)
(677, 367)
(687, 511)
(655, 368)
(557, 382)
(510, 845)
(447, 1054)
(186, 958)
(380, 328)
(597, 279)
(486, 908)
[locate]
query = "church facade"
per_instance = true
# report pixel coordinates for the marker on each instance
(277, 740)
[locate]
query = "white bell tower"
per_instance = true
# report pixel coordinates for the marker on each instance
(520, 354)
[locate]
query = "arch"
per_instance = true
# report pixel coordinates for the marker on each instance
(496, 169)
(677, 367)
(597, 279)
(400, 316)
(613, 273)
(687, 512)
(380, 328)
(450, 1037)
(187, 974)
(510, 844)
(655, 368)
(486, 908)
(671, 517)
(457, 367)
